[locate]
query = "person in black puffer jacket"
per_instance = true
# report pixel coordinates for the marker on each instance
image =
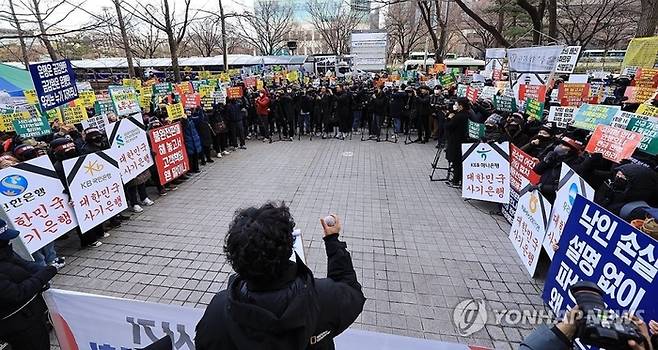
(456, 129)
(272, 302)
(566, 151)
(22, 308)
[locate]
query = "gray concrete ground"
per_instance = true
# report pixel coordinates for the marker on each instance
(418, 248)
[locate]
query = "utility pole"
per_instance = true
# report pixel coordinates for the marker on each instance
(222, 19)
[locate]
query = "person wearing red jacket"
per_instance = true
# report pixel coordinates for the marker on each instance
(263, 112)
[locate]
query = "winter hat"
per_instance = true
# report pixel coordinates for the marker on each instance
(25, 152)
(7, 234)
(494, 119)
(574, 144)
(61, 144)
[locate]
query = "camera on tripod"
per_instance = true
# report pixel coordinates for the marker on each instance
(600, 327)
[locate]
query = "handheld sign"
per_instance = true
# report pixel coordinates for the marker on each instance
(486, 171)
(54, 83)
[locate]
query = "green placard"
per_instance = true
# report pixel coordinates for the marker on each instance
(475, 130)
(103, 107)
(162, 88)
(589, 116)
(461, 90)
(447, 80)
(32, 127)
(505, 103)
(534, 108)
(648, 127)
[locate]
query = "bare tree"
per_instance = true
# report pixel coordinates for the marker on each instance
(495, 32)
(536, 13)
(266, 29)
(164, 18)
(17, 25)
(404, 28)
(124, 37)
(145, 41)
(205, 36)
(648, 18)
(335, 22)
(583, 21)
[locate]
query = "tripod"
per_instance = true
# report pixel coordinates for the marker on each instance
(407, 139)
(435, 164)
(388, 127)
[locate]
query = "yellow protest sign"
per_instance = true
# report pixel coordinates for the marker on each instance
(127, 82)
(31, 97)
(54, 114)
(292, 76)
(136, 83)
(641, 52)
(259, 84)
(206, 90)
(233, 72)
(175, 111)
(87, 98)
(648, 110)
(7, 124)
(204, 74)
(76, 114)
(224, 77)
(145, 100)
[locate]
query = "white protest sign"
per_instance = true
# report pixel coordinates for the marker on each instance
(34, 203)
(561, 116)
(566, 62)
(622, 118)
(129, 146)
(133, 324)
(529, 226)
(569, 186)
(488, 92)
(578, 78)
(124, 99)
(98, 121)
(95, 187)
(486, 171)
(533, 59)
(493, 59)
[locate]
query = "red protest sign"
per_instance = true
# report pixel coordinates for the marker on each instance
(573, 95)
(536, 92)
(234, 92)
(639, 94)
(170, 153)
(191, 101)
(613, 143)
(472, 94)
(250, 81)
(521, 165)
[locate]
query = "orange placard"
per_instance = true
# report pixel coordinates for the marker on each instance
(613, 143)
(234, 92)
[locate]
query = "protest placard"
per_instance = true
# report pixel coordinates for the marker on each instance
(648, 110)
(461, 90)
(8, 119)
(621, 119)
(561, 116)
(641, 52)
(588, 116)
(447, 80)
(145, 98)
(570, 94)
(569, 186)
(529, 226)
(475, 130)
(54, 83)
(488, 93)
(162, 88)
(129, 146)
(184, 88)
(566, 61)
(505, 103)
(175, 111)
(486, 171)
(34, 203)
(648, 128)
(34, 126)
(98, 121)
(95, 187)
(614, 144)
(54, 114)
(521, 168)
(124, 99)
(234, 92)
(532, 91)
(74, 114)
(534, 109)
(533, 59)
(472, 94)
(170, 154)
(87, 98)
(250, 81)
(638, 94)
(191, 101)
(598, 247)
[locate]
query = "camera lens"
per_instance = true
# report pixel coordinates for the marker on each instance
(588, 296)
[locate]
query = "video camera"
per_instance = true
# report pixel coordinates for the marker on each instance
(600, 327)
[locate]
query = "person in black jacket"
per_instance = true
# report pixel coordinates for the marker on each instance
(456, 134)
(22, 308)
(566, 151)
(343, 111)
(379, 107)
(272, 302)
(423, 111)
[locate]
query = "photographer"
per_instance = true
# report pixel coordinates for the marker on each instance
(272, 302)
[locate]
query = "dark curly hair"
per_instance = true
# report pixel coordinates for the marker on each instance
(259, 241)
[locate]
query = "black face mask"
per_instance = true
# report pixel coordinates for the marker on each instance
(512, 128)
(619, 184)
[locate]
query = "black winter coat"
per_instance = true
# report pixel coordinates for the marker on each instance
(20, 282)
(423, 107)
(203, 129)
(398, 103)
(343, 105)
(297, 312)
(380, 105)
(456, 133)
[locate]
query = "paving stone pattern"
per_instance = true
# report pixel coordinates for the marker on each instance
(418, 248)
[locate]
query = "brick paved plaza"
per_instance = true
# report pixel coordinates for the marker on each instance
(418, 248)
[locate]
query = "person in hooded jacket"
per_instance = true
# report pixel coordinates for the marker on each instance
(202, 126)
(540, 142)
(566, 151)
(628, 183)
(272, 302)
(513, 130)
(456, 134)
(423, 111)
(22, 308)
(343, 111)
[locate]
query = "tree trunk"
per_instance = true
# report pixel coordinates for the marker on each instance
(26, 60)
(42, 29)
(173, 44)
(552, 19)
(443, 29)
(648, 21)
(500, 40)
(222, 18)
(536, 15)
(124, 37)
(426, 13)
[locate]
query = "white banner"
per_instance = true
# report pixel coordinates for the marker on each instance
(34, 203)
(488, 92)
(486, 175)
(561, 116)
(569, 187)
(493, 59)
(533, 59)
(88, 321)
(529, 226)
(95, 187)
(566, 62)
(124, 99)
(129, 146)
(98, 121)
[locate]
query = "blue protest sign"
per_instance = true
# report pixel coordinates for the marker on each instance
(599, 247)
(54, 83)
